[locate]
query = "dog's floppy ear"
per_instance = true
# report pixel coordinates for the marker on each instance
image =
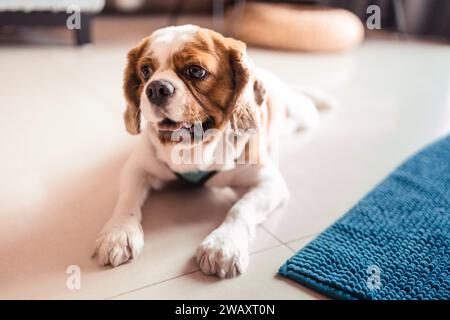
(243, 114)
(132, 87)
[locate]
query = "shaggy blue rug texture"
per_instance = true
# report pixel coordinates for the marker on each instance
(393, 244)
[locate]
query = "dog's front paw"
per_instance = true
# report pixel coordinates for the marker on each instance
(118, 243)
(223, 253)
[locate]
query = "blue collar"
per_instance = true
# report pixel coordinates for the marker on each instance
(196, 177)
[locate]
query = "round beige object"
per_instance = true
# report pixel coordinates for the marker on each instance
(295, 27)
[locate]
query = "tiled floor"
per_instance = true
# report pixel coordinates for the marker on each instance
(63, 144)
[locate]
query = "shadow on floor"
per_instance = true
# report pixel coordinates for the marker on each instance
(61, 229)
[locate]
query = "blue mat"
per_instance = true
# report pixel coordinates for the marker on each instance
(394, 244)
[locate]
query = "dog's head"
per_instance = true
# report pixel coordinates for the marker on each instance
(186, 78)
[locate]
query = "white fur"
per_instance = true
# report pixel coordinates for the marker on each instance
(225, 251)
(164, 42)
(178, 100)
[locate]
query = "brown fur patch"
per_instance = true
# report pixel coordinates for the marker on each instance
(218, 96)
(208, 96)
(132, 86)
(243, 113)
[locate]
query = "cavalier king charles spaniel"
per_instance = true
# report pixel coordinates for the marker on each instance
(205, 114)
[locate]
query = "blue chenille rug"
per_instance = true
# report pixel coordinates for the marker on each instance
(393, 244)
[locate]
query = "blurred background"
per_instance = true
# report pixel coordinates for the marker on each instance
(20, 20)
(63, 141)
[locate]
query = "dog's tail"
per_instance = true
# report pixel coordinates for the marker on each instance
(321, 100)
(305, 103)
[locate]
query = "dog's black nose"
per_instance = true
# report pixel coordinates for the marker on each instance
(159, 91)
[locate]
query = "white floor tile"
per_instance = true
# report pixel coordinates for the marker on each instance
(296, 245)
(63, 144)
(394, 101)
(34, 263)
(261, 281)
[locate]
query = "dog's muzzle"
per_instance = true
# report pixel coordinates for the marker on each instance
(159, 91)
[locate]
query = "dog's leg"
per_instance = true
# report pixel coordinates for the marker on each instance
(225, 251)
(122, 238)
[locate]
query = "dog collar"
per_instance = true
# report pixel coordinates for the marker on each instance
(196, 177)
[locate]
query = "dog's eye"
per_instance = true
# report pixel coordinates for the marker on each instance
(146, 72)
(195, 72)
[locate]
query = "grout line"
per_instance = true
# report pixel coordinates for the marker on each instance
(290, 249)
(290, 242)
(185, 274)
(266, 249)
(153, 284)
(303, 237)
(281, 243)
(276, 238)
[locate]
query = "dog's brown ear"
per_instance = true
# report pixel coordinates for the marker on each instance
(132, 87)
(243, 114)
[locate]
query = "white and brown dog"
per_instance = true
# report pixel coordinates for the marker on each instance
(182, 84)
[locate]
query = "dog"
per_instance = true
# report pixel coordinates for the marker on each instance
(181, 83)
